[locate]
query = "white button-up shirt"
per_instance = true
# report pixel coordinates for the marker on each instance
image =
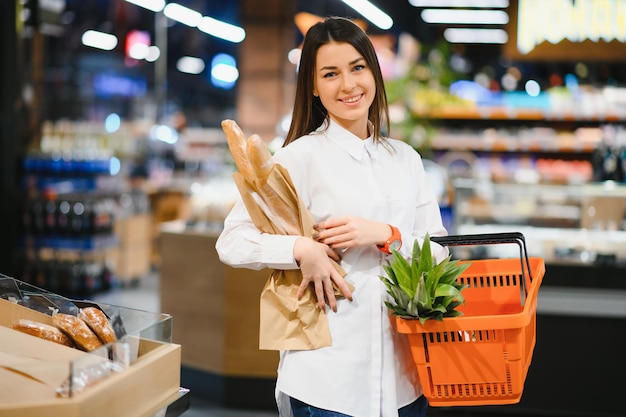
(367, 372)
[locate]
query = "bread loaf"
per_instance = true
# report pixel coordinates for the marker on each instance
(82, 336)
(237, 146)
(41, 330)
(282, 214)
(99, 323)
(254, 161)
(260, 158)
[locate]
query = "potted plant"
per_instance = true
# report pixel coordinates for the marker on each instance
(421, 288)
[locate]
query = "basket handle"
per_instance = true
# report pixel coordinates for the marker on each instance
(491, 239)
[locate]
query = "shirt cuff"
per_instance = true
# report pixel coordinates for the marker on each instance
(278, 251)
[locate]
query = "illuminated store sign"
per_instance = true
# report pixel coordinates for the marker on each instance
(578, 25)
(576, 21)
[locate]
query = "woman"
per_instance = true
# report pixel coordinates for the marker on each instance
(368, 194)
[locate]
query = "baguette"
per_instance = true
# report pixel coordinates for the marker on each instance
(78, 331)
(237, 146)
(42, 330)
(98, 323)
(260, 158)
(281, 213)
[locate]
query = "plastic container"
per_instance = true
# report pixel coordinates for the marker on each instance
(483, 356)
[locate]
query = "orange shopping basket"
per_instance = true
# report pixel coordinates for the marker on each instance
(481, 357)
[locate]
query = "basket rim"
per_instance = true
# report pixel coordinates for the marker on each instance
(496, 321)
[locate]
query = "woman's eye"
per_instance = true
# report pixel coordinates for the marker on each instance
(359, 67)
(329, 74)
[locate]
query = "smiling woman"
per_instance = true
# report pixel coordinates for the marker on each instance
(366, 193)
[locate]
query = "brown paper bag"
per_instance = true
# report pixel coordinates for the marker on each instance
(286, 323)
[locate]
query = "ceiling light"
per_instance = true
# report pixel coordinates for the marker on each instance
(154, 5)
(224, 72)
(153, 53)
(465, 16)
(99, 40)
(182, 14)
(294, 55)
(494, 4)
(371, 13)
(462, 35)
(138, 51)
(190, 65)
(222, 30)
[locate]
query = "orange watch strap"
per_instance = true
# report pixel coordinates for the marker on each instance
(395, 237)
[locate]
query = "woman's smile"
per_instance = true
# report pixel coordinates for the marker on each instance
(352, 99)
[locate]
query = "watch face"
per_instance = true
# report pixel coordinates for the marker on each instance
(396, 244)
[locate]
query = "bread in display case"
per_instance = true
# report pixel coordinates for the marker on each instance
(138, 374)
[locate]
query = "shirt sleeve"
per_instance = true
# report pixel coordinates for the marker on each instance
(242, 245)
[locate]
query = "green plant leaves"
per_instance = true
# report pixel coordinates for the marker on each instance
(422, 288)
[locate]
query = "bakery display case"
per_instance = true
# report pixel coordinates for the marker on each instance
(138, 374)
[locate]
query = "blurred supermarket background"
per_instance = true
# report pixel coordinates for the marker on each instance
(115, 174)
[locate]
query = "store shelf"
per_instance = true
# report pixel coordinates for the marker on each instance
(525, 114)
(507, 142)
(561, 136)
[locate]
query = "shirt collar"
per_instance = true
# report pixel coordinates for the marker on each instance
(356, 147)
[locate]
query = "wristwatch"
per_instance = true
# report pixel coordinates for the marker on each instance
(393, 242)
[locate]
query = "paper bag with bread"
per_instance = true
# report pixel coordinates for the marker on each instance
(286, 323)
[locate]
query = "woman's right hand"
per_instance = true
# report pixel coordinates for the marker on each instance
(315, 263)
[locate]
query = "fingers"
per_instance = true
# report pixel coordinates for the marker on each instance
(302, 288)
(324, 290)
(332, 254)
(343, 287)
(319, 271)
(330, 223)
(324, 293)
(349, 232)
(340, 232)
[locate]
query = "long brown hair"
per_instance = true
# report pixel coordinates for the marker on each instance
(308, 111)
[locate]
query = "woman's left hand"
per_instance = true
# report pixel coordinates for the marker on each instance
(350, 232)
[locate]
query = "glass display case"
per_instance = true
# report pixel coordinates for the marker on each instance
(564, 224)
(140, 368)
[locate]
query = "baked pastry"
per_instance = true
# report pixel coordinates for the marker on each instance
(82, 336)
(237, 146)
(260, 158)
(99, 323)
(254, 161)
(41, 330)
